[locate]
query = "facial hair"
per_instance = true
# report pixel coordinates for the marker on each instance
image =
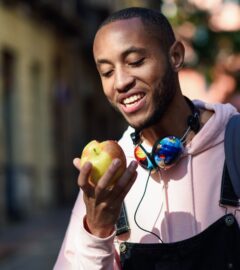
(162, 99)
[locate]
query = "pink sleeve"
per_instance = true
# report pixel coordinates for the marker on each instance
(83, 251)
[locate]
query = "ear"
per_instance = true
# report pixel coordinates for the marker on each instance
(176, 55)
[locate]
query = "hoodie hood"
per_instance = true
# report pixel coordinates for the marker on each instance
(212, 133)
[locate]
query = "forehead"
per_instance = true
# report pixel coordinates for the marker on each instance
(120, 35)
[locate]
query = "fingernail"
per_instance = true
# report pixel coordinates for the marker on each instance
(88, 165)
(133, 166)
(116, 162)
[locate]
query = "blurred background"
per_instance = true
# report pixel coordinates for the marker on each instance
(51, 104)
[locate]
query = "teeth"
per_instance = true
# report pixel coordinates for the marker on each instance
(132, 99)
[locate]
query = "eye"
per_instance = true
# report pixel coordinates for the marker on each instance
(106, 74)
(137, 63)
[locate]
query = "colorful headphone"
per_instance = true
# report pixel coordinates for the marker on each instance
(167, 151)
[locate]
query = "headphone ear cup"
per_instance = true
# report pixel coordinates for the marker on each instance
(144, 158)
(167, 151)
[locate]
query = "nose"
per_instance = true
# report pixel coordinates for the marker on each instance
(123, 81)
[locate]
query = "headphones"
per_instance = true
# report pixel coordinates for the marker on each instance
(167, 151)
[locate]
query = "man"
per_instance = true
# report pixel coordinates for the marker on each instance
(172, 204)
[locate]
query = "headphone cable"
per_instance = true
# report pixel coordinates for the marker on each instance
(135, 214)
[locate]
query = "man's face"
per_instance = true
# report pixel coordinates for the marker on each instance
(134, 70)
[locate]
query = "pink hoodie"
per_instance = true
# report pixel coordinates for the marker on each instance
(179, 203)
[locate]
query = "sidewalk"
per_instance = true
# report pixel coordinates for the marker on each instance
(33, 244)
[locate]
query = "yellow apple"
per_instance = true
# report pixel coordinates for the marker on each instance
(101, 155)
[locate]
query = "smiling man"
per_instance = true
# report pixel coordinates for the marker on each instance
(171, 217)
(133, 64)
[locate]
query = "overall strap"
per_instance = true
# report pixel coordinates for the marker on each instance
(230, 190)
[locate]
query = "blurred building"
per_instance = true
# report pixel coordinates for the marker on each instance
(35, 66)
(51, 102)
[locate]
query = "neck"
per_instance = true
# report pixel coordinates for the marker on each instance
(174, 122)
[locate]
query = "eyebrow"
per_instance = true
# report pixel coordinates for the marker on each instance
(124, 54)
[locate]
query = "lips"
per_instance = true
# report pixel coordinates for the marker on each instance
(133, 102)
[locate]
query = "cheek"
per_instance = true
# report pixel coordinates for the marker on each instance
(155, 82)
(161, 77)
(153, 74)
(107, 90)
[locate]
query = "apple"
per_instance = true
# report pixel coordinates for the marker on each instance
(101, 155)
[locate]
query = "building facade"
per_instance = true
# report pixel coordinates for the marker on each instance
(28, 49)
(51, 102)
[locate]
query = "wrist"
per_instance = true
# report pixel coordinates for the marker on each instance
(98, 232)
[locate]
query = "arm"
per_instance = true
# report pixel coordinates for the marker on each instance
(88, 242)
(80, 249)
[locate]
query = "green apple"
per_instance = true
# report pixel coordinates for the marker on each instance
(101, 155)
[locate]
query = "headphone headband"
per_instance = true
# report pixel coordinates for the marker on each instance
(193, 120)
(135, 136)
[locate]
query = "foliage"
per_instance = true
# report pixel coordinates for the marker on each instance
(212, 49)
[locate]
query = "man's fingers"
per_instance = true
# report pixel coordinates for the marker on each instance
(118, 190)
(84, 175)
(128, 174)
(128, 186)
(76, 163)
(125, 183)
(106, 179)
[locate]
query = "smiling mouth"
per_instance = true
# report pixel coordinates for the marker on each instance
(132, 100)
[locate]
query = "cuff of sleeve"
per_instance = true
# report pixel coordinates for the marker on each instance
(95, 245)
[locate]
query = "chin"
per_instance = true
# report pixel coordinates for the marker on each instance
(138, 125)
(147, 122)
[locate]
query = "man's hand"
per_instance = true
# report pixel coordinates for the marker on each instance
(103, 203)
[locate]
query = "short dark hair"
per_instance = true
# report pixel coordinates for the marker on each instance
(153, 19)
